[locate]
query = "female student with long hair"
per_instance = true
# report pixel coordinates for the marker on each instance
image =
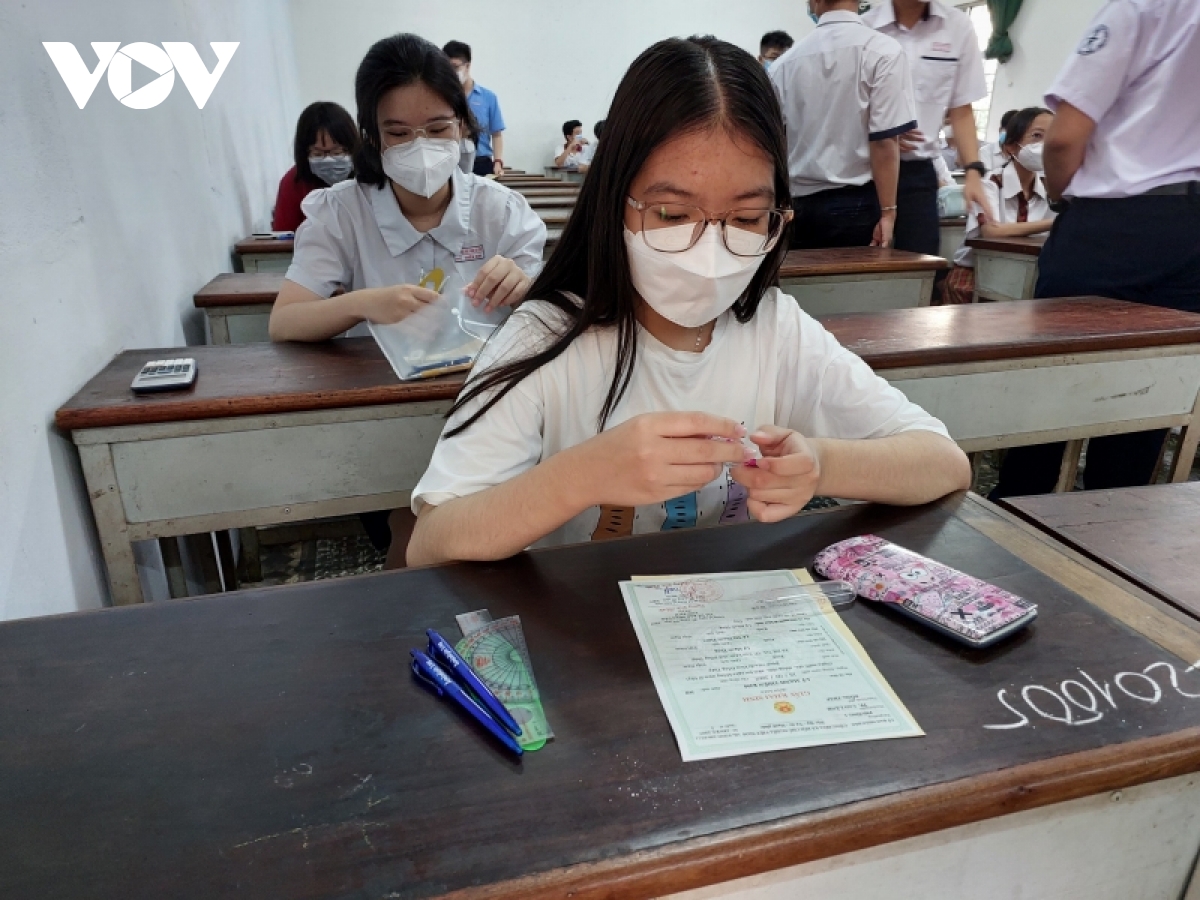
(657, 328)
(411, 217)
(1015, 195)
(326, 138)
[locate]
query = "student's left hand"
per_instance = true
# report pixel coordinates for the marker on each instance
(784, 479)
(500, 282)
(973, 192)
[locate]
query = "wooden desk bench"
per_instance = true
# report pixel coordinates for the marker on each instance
(858, 279)
(1150, 535)
(1033, 371)
(546, 201)
(264, 254)
(555, 215)
(237, 306)
(571, 176)
(530, 191)
(1006, 268)
(272, 743)
(270, 433)
(952, 231)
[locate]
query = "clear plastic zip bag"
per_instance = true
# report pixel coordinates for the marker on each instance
(444, 336)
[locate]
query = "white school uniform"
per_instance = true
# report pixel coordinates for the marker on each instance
(1135, 74)
(841, 87)
(945, 60)
(355, 236)
(1004, 199)
(991, 155)
(573, 159)
(779, 368)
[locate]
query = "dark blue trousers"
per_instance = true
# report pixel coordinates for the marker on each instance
(917, 228)
(838, 217)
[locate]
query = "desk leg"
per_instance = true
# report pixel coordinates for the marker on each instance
(1070, 467)
(218, 328)
(176, 580)
(225, 555)
(1185, 454)
(101, 478)
(927, 289)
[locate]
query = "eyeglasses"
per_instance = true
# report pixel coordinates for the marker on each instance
(440, 130)
(676, 227)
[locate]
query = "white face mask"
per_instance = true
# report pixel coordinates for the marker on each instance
(462, 75)
(330, 169)
(693, 287)
(423, 165)
(1030, 156)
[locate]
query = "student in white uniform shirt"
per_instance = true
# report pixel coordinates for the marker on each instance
(947, 75)
(846, 96)
(572, 150)
(411, 218)
(593, 412)
(1123, 155)
(992, 153)
(1016, 197)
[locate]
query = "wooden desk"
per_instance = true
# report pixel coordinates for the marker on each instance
(546, 201)
(555, 215)
(572, 176)
(237, 306)
(551, 189)
(270, 433)
(272, 743)
(1150, 535)
(552, 236)
(858, 279)
(1006, 268)
(952, 231)
(264, 254)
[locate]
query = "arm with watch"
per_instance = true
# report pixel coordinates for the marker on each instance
(498, 153)
(962, 120)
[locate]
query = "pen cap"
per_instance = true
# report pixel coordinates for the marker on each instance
(822, 596)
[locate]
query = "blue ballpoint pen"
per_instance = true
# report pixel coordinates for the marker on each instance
(434, 678)
(445, 654)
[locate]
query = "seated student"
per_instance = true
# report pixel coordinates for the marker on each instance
(772, 46)
(589, 149)
(992, 154)
(326, 138)
(571, 150)
(1015, 194)
(411, 216)
(593, 412)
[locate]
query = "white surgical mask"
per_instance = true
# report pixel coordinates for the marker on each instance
(330, 169)
(422, 165)
(1030, 156)
(767, 64)
(692, 287)
(462, 75)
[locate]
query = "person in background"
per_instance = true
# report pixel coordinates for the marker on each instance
(589, 149)
(466, 159)
(571, 150)
(485, 107)
(326, 138)
(947, 147)
(947, 75)
(992, 153)
(772, 46)
(846, 95)
(592, 412)
(1123, 171)
(1016, 196)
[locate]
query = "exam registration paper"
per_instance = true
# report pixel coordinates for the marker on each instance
(741, 670)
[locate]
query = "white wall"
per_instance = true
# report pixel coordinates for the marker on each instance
(1045, 33)
(111, 219)
(547, 62)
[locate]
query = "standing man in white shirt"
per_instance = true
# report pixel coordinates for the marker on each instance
(846, 96)
(1122, 163)
(947, 76)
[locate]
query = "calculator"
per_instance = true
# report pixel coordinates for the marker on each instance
(165, 375)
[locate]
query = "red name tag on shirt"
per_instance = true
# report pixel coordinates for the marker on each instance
(939, 47)
(470, 254)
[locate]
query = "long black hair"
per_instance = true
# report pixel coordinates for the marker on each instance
(675, 87)
(393, 62)
(317, 116)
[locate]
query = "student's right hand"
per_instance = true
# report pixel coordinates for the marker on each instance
(386, 306)
(654, 457)
(911, 140)
(883, 229)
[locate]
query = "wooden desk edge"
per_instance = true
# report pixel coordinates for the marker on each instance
(922, 263)
(756, 849)
(1020, 246)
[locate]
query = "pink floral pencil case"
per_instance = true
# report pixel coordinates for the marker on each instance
(945, 599)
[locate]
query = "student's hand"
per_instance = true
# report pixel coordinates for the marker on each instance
(386, 306)
(883, 229)
(973, 192)
(784, 479)
(654, 457)
(911, 140)
(500, 282)
(497, 167)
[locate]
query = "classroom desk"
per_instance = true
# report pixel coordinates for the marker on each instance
(264, 254)
(555, 215)
(1006, 268)
(952, 231)
(546, 201)
(571, 176)
(252, 443)
(858, 279)
(546, 191)
(1150, 535)
(552, 236)
(237, 306)
(272, 743)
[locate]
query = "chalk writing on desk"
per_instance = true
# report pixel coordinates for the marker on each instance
(1077, 703)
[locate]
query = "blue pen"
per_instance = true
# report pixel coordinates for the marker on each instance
(441, 650)
(434, 678)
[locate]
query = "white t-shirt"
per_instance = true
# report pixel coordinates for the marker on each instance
(780, 368)
(573, 159)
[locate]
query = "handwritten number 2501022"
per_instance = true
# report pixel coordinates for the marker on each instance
(1077, 703)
